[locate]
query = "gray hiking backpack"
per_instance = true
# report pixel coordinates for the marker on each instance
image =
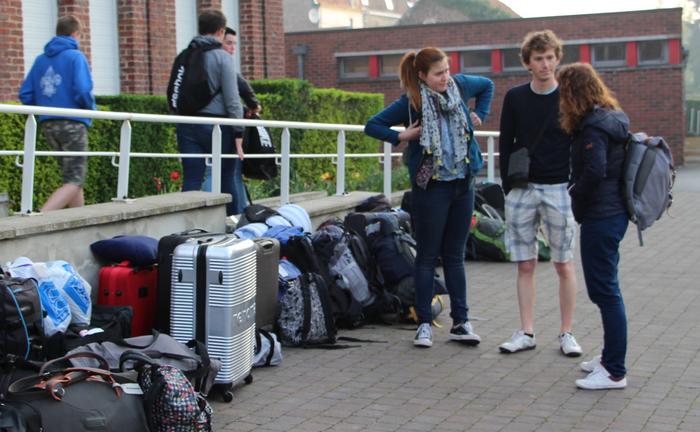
(332, 244)
(648, 177)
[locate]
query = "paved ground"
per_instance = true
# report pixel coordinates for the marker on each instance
(395, 387)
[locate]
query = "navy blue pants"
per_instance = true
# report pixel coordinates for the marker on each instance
(197, 139)
(442, 215)
(600, 256)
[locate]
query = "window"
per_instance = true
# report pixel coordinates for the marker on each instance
(185, 23)
(390, 65)
(652, 52)
(475, 61)
(511, 59)
(104, 38)
(571, 54)
(230, 9)
(38, 27)
(354, 67)
(609, 54)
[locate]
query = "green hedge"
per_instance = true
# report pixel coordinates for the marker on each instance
(284, 99)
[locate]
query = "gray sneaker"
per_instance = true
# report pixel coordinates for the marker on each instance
(568, 345)
(424, 336)
(518, 342)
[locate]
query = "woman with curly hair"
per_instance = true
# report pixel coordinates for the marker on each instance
(592, 115)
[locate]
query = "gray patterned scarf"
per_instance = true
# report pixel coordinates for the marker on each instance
(434, 106)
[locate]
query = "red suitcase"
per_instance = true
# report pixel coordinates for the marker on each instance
(123, 285)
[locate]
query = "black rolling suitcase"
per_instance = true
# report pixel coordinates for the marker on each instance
(166, 247)
(268, 258)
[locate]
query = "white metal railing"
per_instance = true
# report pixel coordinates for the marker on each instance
(29, 154)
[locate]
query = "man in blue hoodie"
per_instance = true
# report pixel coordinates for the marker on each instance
(61, 78)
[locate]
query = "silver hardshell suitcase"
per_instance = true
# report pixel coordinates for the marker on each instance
(213, 301)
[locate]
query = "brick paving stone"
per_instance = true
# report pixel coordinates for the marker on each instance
(658, 427)
(395, 387)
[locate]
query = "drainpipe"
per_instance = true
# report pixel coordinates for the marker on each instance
(300, 50)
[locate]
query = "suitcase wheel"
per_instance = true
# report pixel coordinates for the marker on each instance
(248, 379)
(227, 396)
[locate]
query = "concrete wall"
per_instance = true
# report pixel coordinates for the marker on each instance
(67, 234)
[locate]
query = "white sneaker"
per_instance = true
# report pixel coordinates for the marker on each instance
(600, 379)
(568, 345)
(464, 333)
(518, 342)
(424, 336)
(590, 365)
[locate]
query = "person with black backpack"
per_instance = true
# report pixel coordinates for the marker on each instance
(593, 116)
(251, 109)
(443, 158)
(202, 83)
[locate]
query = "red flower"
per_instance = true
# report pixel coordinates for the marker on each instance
(175, 176)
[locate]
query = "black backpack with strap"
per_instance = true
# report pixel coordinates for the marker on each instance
(21, 318)
(188, 87)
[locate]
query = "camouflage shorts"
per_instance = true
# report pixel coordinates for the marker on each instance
(68, 135)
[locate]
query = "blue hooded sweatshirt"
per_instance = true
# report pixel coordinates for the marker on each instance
(60, 78)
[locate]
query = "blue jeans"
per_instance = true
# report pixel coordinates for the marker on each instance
(442, 215)
(197, 139)
(600, 256)
(237, 186)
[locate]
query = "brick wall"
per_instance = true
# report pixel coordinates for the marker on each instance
(81, 10)
(147, 39)
(133, 46)
(208, 4)
(161, 26)
(651, 95)
(146, 45)
(261, 39)
(11, 42)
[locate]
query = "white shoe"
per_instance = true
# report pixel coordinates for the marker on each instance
(568, 345)
(518, 342)
(464, 333)
(424, 336)
(590, 365)
(600, 379)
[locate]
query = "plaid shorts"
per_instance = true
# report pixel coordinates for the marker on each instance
(540, 205)
(68, 135)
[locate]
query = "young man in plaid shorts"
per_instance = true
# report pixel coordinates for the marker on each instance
(60, 77)
(530, 118)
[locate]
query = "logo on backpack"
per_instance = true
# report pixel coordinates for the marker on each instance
(648, 177)
(188, 87)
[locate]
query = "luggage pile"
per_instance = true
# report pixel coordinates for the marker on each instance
(173, 323)
(177, 319)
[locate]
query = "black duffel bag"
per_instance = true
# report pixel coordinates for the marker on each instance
(77, 399)
(256, 140)
(115, 322)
